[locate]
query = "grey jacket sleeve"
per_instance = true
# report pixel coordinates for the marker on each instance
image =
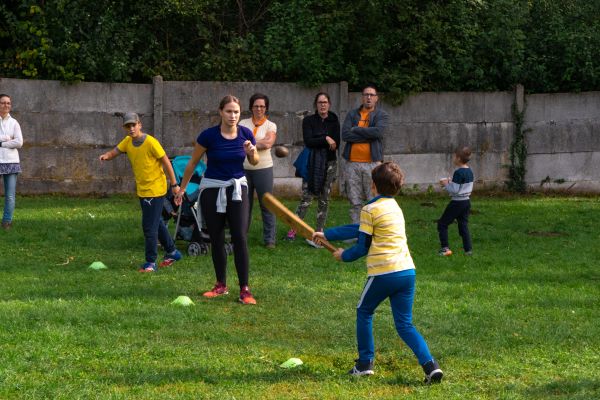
(375, 131)
(347, 135)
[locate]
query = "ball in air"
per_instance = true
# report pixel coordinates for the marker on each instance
(281, 151)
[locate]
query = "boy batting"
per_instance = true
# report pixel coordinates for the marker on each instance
(390, 268)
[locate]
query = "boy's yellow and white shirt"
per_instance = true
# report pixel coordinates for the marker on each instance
(150, 179)
(383, 220)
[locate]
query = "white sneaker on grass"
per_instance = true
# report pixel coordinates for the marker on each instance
(362, 368)
(313, 244)
(433, 373)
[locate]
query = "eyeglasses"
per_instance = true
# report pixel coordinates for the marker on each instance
(369, 94)
(322, 102)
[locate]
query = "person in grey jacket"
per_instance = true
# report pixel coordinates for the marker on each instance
(362, 133)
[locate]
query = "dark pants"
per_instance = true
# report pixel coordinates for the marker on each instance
(459, 211)
(236, 217)
(261, 181)
(154, 228)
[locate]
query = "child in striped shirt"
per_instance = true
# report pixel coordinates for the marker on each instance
(390, 268)
(459, 188)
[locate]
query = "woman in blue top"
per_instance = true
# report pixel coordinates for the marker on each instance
(224, 193)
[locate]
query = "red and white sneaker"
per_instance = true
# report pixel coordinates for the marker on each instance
(148, 267)
(219, 289)
(170, 259)
(246, 297)
(445, 252)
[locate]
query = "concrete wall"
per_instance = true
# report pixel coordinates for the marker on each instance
(65, 129)
(67, 126)
(564, 141)
(427, 127)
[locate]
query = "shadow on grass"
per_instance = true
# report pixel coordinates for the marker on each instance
(88, 285)
(217, 377)
(565, 389)
(214, 376)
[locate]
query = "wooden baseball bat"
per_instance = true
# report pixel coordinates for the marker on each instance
(291, 219)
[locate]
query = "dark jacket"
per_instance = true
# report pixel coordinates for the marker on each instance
(317, 170)
(373, 134)
(315, 129)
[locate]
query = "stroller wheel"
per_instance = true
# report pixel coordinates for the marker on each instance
(229, 248)
(197, 249)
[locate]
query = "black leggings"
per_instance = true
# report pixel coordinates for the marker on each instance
(236, 217)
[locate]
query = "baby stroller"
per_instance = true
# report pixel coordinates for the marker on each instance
(189, 225)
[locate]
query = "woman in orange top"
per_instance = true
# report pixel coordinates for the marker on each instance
(260, 176)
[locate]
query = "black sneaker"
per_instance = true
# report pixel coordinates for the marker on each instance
(433, 373)
(362, 368)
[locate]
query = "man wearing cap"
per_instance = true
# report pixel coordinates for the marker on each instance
(363, 133)
(149, 163)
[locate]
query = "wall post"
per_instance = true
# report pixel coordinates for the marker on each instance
(157, 86)
(341, 181)
(520, 97)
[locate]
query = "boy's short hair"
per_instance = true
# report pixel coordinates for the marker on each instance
(463, 154)
(388, 178)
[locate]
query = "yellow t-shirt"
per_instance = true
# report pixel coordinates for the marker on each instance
(150, 179)
(361, 152)
(384, 221)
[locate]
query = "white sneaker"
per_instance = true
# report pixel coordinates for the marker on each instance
(362, 368)
(433, 373)
(313, 244)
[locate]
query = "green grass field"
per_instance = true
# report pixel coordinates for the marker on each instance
(520, 319)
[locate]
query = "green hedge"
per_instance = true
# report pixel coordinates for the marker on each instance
(403, 46)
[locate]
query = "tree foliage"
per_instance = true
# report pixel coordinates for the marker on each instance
(518, 154)
(402, 46)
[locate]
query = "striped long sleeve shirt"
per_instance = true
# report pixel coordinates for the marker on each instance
(461, 186)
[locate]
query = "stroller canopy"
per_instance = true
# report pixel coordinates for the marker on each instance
(179, 164)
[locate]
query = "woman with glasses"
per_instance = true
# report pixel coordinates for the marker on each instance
(260, 176)
(11, 139)
(321, 133)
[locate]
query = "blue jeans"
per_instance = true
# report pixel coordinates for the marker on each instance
(399, 287)
(154, 228)
(10, 188)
